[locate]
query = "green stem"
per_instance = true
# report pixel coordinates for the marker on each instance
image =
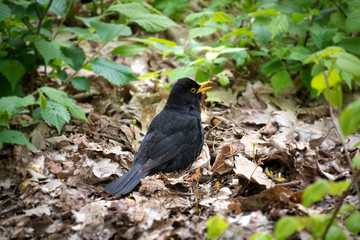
(63, 19)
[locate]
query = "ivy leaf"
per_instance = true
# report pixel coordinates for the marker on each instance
(115, 73)
(129, 50)
(7, 68)
(11, 136)
(73, 56)
(55, 114)
(278, 24)
(108, 31)
(350, 118)
(280, 80)
(81, 83)
(216, 225)
(48, 50)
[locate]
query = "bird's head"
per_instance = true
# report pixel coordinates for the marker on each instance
(186, 93)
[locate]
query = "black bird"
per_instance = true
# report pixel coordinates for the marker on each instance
(173, 141)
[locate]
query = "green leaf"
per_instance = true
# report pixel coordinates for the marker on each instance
(280, 80)
(348, 62)
(351, 44)
(7, 68)
(325, 53)
(61, 98)
(317, 224)
(13, 105)
(201, 32)
(55, 114)
(129, 9)
(352, 223)
(42, 100)
(286, 227)
(322, 37)
(129, 50)
(181, 72)
(261, 236)
(336, 94)
(202, 75)
(262, 33)
(268, 12)
(115, 73)
(315, 192)
(221, 17)
(210, 97)
(319, 82)
(215, 226)
(337, 188)
(88, 20)
(335, 233)
(74, 56)
(238, 32)
(48, 50)
(269, 68)
(299, 53)
(194, 19)
(153, 22)
(59, 7)
(81, 83)
(350, 118)
(5, 118)
(80, 32)
(278, 24)
(108, 31)
(5, 12)
(224, 80)
(352, 22)
(356, 161)
(11, 136)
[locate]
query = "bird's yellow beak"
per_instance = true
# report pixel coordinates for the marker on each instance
(203, 88)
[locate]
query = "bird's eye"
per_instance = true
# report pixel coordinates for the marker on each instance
(193, 90)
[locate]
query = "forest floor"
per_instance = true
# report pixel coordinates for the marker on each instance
(57, 192)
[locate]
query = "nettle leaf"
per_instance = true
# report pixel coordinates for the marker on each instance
(352, 22)
(13, 70)
(280, 80)
(48, 50)
(221, 17)
(350, 118)
(181, 72)
(279, 24)
(201, 32)
(315, 192)
(351, 44)
(268, 11)
(322, 37)
(59, 7)
(115, 73)
(238, 32)
(81, 83)
(5, 12)
(11, 136)
(215, 226)
(262, 34)
(269, 68)
(352, 223)
(319, 82)
(325, 53)
(194, 19)
(348, 62)
(129, 50)
(73, 56)
(108, 31)
(55, 114)
(13, 105)
(129, 9)
(153, 22)
(80, 32)
(61, 98)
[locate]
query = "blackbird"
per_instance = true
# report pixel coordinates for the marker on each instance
(173, 141)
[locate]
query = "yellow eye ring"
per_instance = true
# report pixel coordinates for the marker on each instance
(193, 90)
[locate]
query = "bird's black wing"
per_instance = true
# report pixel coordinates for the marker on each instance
(174, 134)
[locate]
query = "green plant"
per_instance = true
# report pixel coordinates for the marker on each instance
(215, 226)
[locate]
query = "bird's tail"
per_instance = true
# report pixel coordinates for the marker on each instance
(127, 182)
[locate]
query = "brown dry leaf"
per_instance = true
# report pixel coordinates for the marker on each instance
(152, 185)
(51, 186)
(58, 142)
(203, 160)
(247, 169)
(223, 164)
(276, 197)
(90, 213)
(38, 211)
(38, 164)
(104, 168)
(254, 145)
